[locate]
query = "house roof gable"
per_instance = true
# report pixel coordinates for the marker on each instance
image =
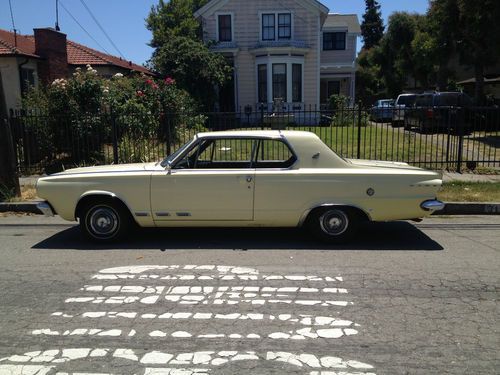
(213, 5)
(347, 21)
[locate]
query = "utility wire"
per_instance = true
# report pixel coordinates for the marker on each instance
(13, 24)
(102, 29)
(83, 28)
(12, 15)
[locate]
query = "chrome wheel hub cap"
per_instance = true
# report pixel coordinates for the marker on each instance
(103, 221)
(334, 222)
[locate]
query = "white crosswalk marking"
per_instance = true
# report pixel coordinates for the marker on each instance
(158, 304)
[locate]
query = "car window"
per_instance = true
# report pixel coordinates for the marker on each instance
(406, 100)
(447, 100)
(273, 153)
(220, 153)
(424, 101)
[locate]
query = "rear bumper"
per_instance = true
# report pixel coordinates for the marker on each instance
(45, 208)
(432, 205)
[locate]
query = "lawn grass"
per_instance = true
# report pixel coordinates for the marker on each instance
(458, 191)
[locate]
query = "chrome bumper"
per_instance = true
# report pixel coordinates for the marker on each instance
(45, 208)
(432, 205)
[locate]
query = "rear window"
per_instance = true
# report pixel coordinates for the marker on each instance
(406, 100)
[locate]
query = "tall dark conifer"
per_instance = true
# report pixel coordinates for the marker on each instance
(372, 27)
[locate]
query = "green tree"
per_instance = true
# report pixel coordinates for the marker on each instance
(443, 31)
(372, 27)
(479, 40)
(194, 67)
(180, 52)
(369, 85)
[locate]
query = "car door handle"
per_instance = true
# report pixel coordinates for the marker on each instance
(249, 179)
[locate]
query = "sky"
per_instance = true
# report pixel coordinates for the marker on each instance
(123, 20)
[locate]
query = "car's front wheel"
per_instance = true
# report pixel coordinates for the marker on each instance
(333, 224)
(104, 221)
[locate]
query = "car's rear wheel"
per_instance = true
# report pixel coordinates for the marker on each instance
(104, 221)
(333, 224)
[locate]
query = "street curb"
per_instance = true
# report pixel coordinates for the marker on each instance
(21, 207)
(451, 208)
(469, 208)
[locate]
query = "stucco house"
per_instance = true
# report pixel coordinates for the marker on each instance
(45, 56)
(290, 51)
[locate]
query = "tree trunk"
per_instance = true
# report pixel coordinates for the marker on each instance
(9, 182)
(479, 89)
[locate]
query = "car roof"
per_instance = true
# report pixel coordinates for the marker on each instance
(274, 134)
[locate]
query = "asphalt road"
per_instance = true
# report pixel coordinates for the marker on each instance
(403, 298)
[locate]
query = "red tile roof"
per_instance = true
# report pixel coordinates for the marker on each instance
(25, 44)
(78, 54)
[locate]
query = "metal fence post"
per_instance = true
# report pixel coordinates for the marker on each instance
(168, 133)
(115, 137)
(359, 131)
(461, 124)
(8, 159)
(262, 116)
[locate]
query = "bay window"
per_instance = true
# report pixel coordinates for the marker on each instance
(279, 78)
(296, 83)
(279, 82)
(262, 83)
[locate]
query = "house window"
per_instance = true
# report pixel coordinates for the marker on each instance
(296, 83)
(268, 27)
(334, 41)
(262, 82)
(284, 26)
(225, 29)
(27, 79)
(279, 82)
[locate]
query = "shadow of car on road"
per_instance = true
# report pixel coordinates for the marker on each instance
(398, 235)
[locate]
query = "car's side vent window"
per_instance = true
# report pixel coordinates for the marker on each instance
(272, 153)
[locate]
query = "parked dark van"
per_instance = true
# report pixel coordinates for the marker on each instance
(439, 111)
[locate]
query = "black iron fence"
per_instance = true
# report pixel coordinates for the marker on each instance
(456, 139)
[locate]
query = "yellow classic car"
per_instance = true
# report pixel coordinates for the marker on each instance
(242, 179)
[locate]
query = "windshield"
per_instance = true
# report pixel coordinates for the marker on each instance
(168, 160)
(406, 100)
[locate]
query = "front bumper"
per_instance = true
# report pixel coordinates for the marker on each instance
(432, 205)
(45, 208)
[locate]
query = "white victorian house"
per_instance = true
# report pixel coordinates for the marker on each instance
(290, 51)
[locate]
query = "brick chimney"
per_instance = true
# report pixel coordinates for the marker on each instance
(50, 45)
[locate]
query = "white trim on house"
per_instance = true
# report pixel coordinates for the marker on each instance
(217, 14)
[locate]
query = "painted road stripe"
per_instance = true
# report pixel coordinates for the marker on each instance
(304, 319)
(309, 362)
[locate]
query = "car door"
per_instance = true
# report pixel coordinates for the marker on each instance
(214, 181)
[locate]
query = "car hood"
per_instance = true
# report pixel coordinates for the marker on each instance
(115, 168)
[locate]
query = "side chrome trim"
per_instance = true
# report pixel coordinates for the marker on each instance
(142, 214)
(307, 212)
(45, 208)
(183, 214)
(432, 205)
(162, 214)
